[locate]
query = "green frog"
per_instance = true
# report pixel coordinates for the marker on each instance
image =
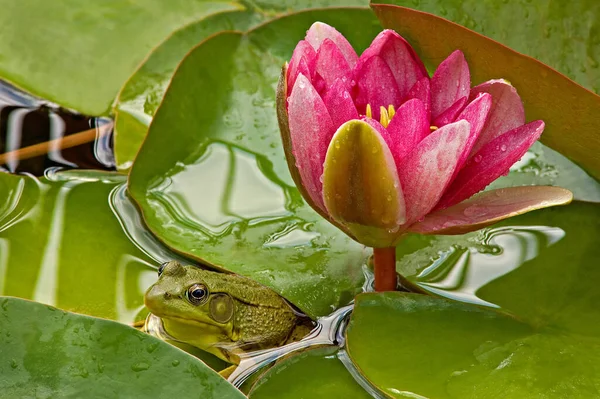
(224, 314)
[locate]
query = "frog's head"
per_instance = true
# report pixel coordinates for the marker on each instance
(192, 305)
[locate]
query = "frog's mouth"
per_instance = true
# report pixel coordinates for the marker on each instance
(191, 322)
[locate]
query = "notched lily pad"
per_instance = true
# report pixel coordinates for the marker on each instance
(47, 352)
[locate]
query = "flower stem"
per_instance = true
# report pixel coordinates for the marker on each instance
(384, 260)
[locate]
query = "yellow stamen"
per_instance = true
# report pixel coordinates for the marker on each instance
(384, 119)
(369, 113)
(391, 111)
(433, 128)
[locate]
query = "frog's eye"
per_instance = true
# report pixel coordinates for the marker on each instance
(197, 294)
(162, 267)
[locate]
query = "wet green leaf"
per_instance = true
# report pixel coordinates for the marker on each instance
(47, 352)
(84, 52)
(211, 178)
(315, 374)
(61, 244)
(411, 344)
(542, 166)
(569, 110)
(144, 91)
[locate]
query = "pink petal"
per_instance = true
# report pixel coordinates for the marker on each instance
(339, 103)
(407, 128)
(507, 110)
(422, 91)
(303, 61)
(319, 31)
(491, 162)
(302, 68)
(375, 86)
(450, 82)
(476, 113)
(405, 64)
(490, 207)
(426, 171)
(331, 64)
(311, 130)
(450, 114)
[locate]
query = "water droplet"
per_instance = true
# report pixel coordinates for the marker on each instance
(503, 147)
(477, 158)
(140, 366)
(152, 347)
(175, 363)
(389, 198)
(13, 364)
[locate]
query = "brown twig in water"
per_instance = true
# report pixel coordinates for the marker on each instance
(62, 143)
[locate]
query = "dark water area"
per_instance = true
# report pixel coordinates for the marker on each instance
(35, 134)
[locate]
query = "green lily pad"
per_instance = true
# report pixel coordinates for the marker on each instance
(211, 177)
(412, 345)
(542, 166)
(564, 35)
(569, 110)
(61, 244)
(316, 373)
(49, 353)
(84, 52)
(538, 266)
(143, 92)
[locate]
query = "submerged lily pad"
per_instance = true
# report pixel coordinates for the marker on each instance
(84, 52)
(61, 244)
(412, 345)
(569, 110)
(47, 352)
(315, 374)
(211, 178)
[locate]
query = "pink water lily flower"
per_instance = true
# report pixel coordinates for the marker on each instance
(380, 148)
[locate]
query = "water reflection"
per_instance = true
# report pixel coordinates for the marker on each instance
(60, 244)
(460, 271)
(131, 222)
(26, 122)
(224, 187)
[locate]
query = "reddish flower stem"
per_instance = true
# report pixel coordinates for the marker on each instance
(384, 260)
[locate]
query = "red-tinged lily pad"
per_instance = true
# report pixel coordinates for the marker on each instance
(561, 34)
(47, 352)
(412, 345)
(211, 178)
(569, 110)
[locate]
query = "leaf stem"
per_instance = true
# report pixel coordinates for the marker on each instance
(62, 143)
(384, 260)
